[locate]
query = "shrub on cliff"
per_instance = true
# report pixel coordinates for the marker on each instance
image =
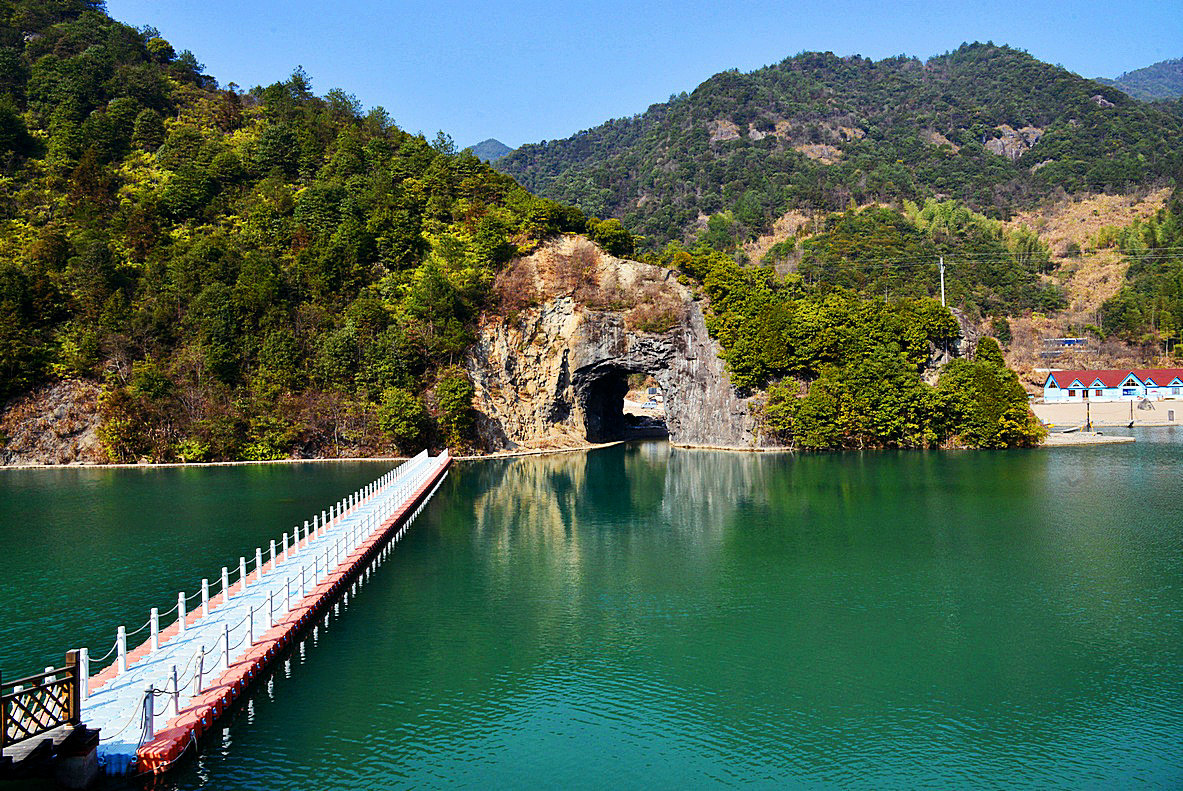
(454, 393)
(403, 416)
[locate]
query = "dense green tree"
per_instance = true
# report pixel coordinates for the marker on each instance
(148, 132)
(612, 236)
(454, 392)
(985, 406)
(842, 371)
(402, 416)
(988, 351)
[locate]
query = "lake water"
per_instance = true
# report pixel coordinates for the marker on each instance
(646, 617)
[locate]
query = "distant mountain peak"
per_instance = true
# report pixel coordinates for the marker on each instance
(490, 150)
(1162, 80)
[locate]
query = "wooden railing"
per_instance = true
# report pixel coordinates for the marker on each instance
(41, 702)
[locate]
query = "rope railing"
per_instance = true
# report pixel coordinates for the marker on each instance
(147, 623)
(106, 656)
(137, 714)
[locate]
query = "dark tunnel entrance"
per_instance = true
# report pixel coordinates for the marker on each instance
(610, 418)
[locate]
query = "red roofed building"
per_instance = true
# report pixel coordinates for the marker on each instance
(1123, 384)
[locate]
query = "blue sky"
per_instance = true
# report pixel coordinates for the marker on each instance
(527, 71)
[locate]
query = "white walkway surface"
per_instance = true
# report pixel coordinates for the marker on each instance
(198, 656)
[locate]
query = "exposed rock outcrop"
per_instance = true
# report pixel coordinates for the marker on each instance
(1013, 143)
(820, 152)
(722, 130)
(56, 424)
(935, 138)
(551, 367)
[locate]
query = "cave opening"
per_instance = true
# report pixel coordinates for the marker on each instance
(619, 404)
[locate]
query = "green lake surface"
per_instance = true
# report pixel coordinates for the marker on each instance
(644, 617)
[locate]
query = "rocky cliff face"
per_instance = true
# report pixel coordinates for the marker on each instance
(551, 365)
(55, 424)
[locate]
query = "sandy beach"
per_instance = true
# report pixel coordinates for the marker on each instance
(1109, 413)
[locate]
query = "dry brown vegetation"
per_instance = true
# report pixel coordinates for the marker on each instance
(658, 309)
(824, 153)
(1069, 227)
(54, 424)
(793, 224)
(577, 268)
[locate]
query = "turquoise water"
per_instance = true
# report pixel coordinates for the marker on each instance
(641, 616)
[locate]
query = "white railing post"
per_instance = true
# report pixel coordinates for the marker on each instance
(273, 553)
(224, 663)
(149, 713)
(181, 612)
(176, 693)
(323, 524)
(303, 582)
(315, 526)
(295, 539)
(271, 608)
(225, 585)
(288, 595)
(83, 674)
(154, 630)
(284, 555)
(259, 562)
(316, 570)
(307, 535)
(250, 626)
(204, 597)
(242, 573)
(200, 671)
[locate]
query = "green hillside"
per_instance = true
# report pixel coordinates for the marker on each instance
(264, 273)
(1162, 80)
(250, 274)
(990, 126)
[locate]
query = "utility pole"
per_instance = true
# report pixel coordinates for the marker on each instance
(942, 281)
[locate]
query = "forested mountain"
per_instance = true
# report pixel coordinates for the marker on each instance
(490, 150)
(987, 125)
(1162, 80)
(264, 273)
(249, 274)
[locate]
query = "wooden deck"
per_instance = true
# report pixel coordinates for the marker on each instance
(34, 756)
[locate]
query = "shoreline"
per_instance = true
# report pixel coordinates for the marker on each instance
(1083, 438)
(510, 454)
(1054, 440)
